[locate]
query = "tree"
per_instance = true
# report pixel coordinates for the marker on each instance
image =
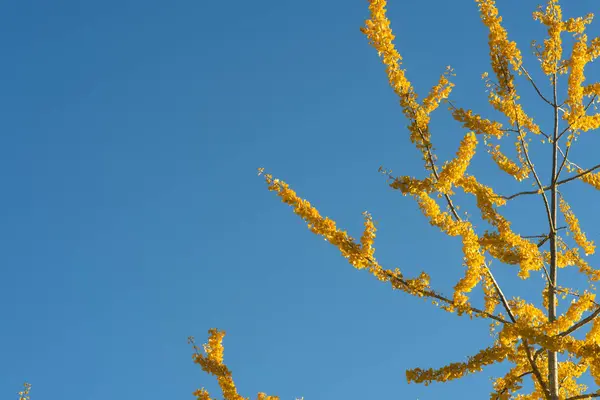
(543, 344)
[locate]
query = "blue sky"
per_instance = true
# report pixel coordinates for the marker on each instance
(133, 216)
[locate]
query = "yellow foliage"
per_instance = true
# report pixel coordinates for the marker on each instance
(212, 363)
(573, 224)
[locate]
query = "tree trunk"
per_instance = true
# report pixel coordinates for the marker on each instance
(552, 356)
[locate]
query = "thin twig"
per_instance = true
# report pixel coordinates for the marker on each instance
(526, 192)
(519, 378)
(585, 396)
(578, 175)
(435, 173)
(581, 323)
(435, 295)
(535, 175)
(569, 161)
(545, 188)
(542, 236)
(535, 87)
(578, 118)
(534, 236)
(547, 274)
(564, 161)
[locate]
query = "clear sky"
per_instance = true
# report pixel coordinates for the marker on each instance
(132, 216)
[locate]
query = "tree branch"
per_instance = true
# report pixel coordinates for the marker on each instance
(520, 377)
(568, 161)
(435, 295)
(562, 165)
(578, 175)
(530, 79)
(571, 124)
(535, 175)
(585, 396)
(581, 323)
(545, 188)
(435, 173)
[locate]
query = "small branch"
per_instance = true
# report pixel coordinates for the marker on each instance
(534, 236)
(578, 175)
(515, 131)
(536, 370)
(535, 175)
(569, 161)
(545, 188)
(547, 274)
(520, 377)
(535, 86)
(544, 235)
(585, 396)
(543, 241)
(581, 323)
(435, 295)
(564, 161)
(523, 193)
(435, 173)
(538, 352)
(570, 125)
